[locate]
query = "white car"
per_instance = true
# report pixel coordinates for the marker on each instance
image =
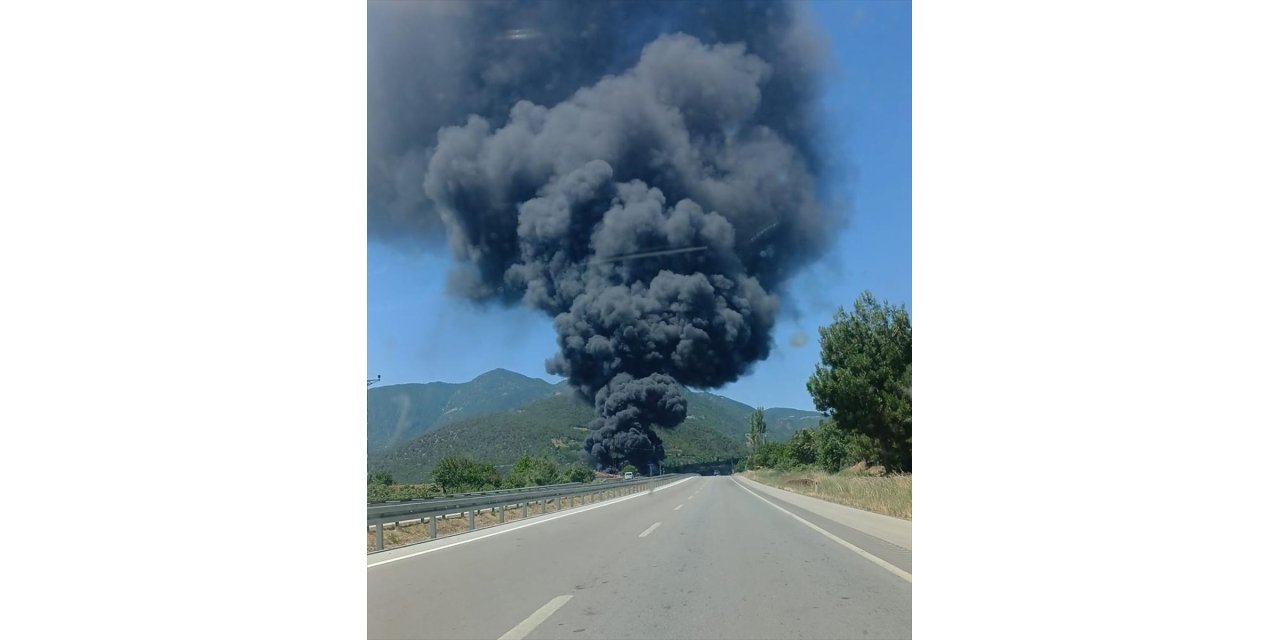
(627, 475)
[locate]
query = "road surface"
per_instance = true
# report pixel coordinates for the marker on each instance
(705, 557)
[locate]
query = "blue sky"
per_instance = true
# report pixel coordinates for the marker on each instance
(417, 333)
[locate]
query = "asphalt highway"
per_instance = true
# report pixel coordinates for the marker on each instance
(706, 557)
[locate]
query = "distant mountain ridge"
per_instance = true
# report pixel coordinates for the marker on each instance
(399, 413)
(501, 415)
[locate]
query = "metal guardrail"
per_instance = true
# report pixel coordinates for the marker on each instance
(429, 510)
(495, 492)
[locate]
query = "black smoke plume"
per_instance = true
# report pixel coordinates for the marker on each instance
(645, 173)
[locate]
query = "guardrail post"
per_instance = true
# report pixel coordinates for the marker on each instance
(433, 527)
(502, 514)
(377, 536)
(471, 520)
(524, 513)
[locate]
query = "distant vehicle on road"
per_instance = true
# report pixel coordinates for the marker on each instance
(627, 475)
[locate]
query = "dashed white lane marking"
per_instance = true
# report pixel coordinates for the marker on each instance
(536, 618)
(650, 529)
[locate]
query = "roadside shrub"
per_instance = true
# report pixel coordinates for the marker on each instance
(530, 471)
(802, 448)
(833, 447)
(579, 473)
(772, 455)
(459, 474)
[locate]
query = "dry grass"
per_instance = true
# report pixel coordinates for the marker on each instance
(397, 536)
(855, 486)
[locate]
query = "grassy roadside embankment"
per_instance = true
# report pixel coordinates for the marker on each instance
(398, 536)
(853, 487)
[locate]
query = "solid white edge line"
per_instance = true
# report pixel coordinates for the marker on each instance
(858, 550)
(650, 529)
(540, 520)
(536, 618)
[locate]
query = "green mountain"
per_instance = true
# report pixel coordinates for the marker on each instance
(784, 422)
(502, 415)
(730, 416)
(553, 426)
(399, 413)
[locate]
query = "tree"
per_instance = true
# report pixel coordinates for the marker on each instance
(383, 478)
(530, 471)
(864, 379)
(831, 447)
(457, 474)
(579, 473)
(802, 448)
(756, 430)
(629, 468)
(772, 455)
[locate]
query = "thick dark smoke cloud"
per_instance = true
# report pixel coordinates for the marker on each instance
(626, 410)
(645, 173)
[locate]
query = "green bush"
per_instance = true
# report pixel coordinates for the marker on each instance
(802, 448)
(834, 447)
(459, 474)
(382, 492)
(530, 471)
(771, 455)
(378, 492)
(579, 473)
